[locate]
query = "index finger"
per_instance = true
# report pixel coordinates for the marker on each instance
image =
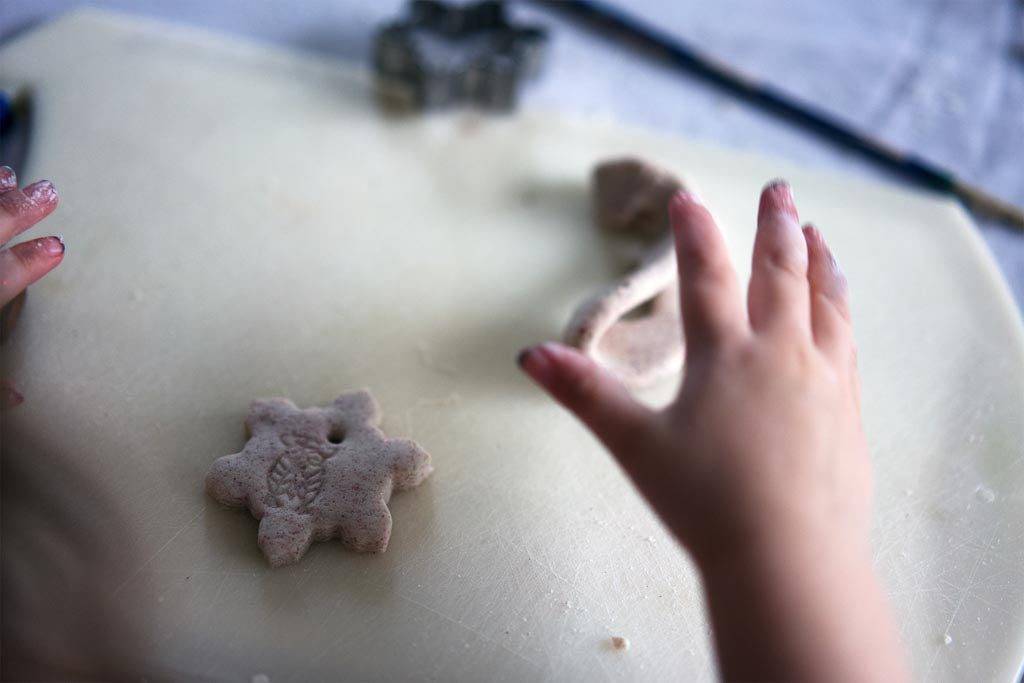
(21, 208)
(709, 292)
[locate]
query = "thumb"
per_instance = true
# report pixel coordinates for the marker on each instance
(590, 393)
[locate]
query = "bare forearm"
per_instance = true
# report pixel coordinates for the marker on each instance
(802, 611)
(763, 447)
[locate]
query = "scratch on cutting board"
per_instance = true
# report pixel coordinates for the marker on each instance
(971, 579)
(964, 592)
(159, 550)
(550, 570)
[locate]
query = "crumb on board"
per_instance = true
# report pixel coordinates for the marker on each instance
(619, 643)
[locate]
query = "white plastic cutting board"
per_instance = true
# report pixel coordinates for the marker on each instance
(241, 222)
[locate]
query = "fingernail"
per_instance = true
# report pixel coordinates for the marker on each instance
(779, 195)
(54, 246)
(41, 192)
(536, 362)
(780, 185)
(687, 197)
(8, 181)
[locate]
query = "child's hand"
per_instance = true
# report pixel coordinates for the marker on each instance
(764, 439)
(20, 209)
(24, 263)
(759, 467)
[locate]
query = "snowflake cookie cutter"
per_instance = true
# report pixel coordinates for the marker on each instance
(443, 53)
(317, 474)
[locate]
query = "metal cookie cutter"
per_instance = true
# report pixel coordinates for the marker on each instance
(441, 54)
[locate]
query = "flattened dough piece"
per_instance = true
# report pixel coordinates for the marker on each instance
(317, 473)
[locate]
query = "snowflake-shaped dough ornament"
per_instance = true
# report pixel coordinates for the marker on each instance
(315, 474)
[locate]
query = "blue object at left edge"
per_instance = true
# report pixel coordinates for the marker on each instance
(5, 109)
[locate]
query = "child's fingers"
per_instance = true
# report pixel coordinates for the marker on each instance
(709, 292)
(8, 181)
(588, 392)
(20, 209)
(830, 307)
(24, 263)
(778, 279)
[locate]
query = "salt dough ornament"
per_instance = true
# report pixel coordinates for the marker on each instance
(317, 473)
(633, 326)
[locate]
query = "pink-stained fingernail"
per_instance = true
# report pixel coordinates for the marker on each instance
(778, 195)
(54, 246)
(41, 192)
(8, 181)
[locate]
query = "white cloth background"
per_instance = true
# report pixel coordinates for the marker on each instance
(944, 78)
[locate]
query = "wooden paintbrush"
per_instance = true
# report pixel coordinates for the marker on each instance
(634, 32)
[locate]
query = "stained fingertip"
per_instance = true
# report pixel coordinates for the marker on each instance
(556, 368)
(40, 255)
(25, 263)
(537, 364)
(46, 247)
(41, 193)
(8, 180)
(777, 196)
(54, 246)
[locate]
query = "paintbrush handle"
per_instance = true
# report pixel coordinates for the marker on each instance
(985, 204)
(632, 31)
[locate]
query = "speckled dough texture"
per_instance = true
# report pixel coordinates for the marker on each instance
(631, 197)
(317, 473)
